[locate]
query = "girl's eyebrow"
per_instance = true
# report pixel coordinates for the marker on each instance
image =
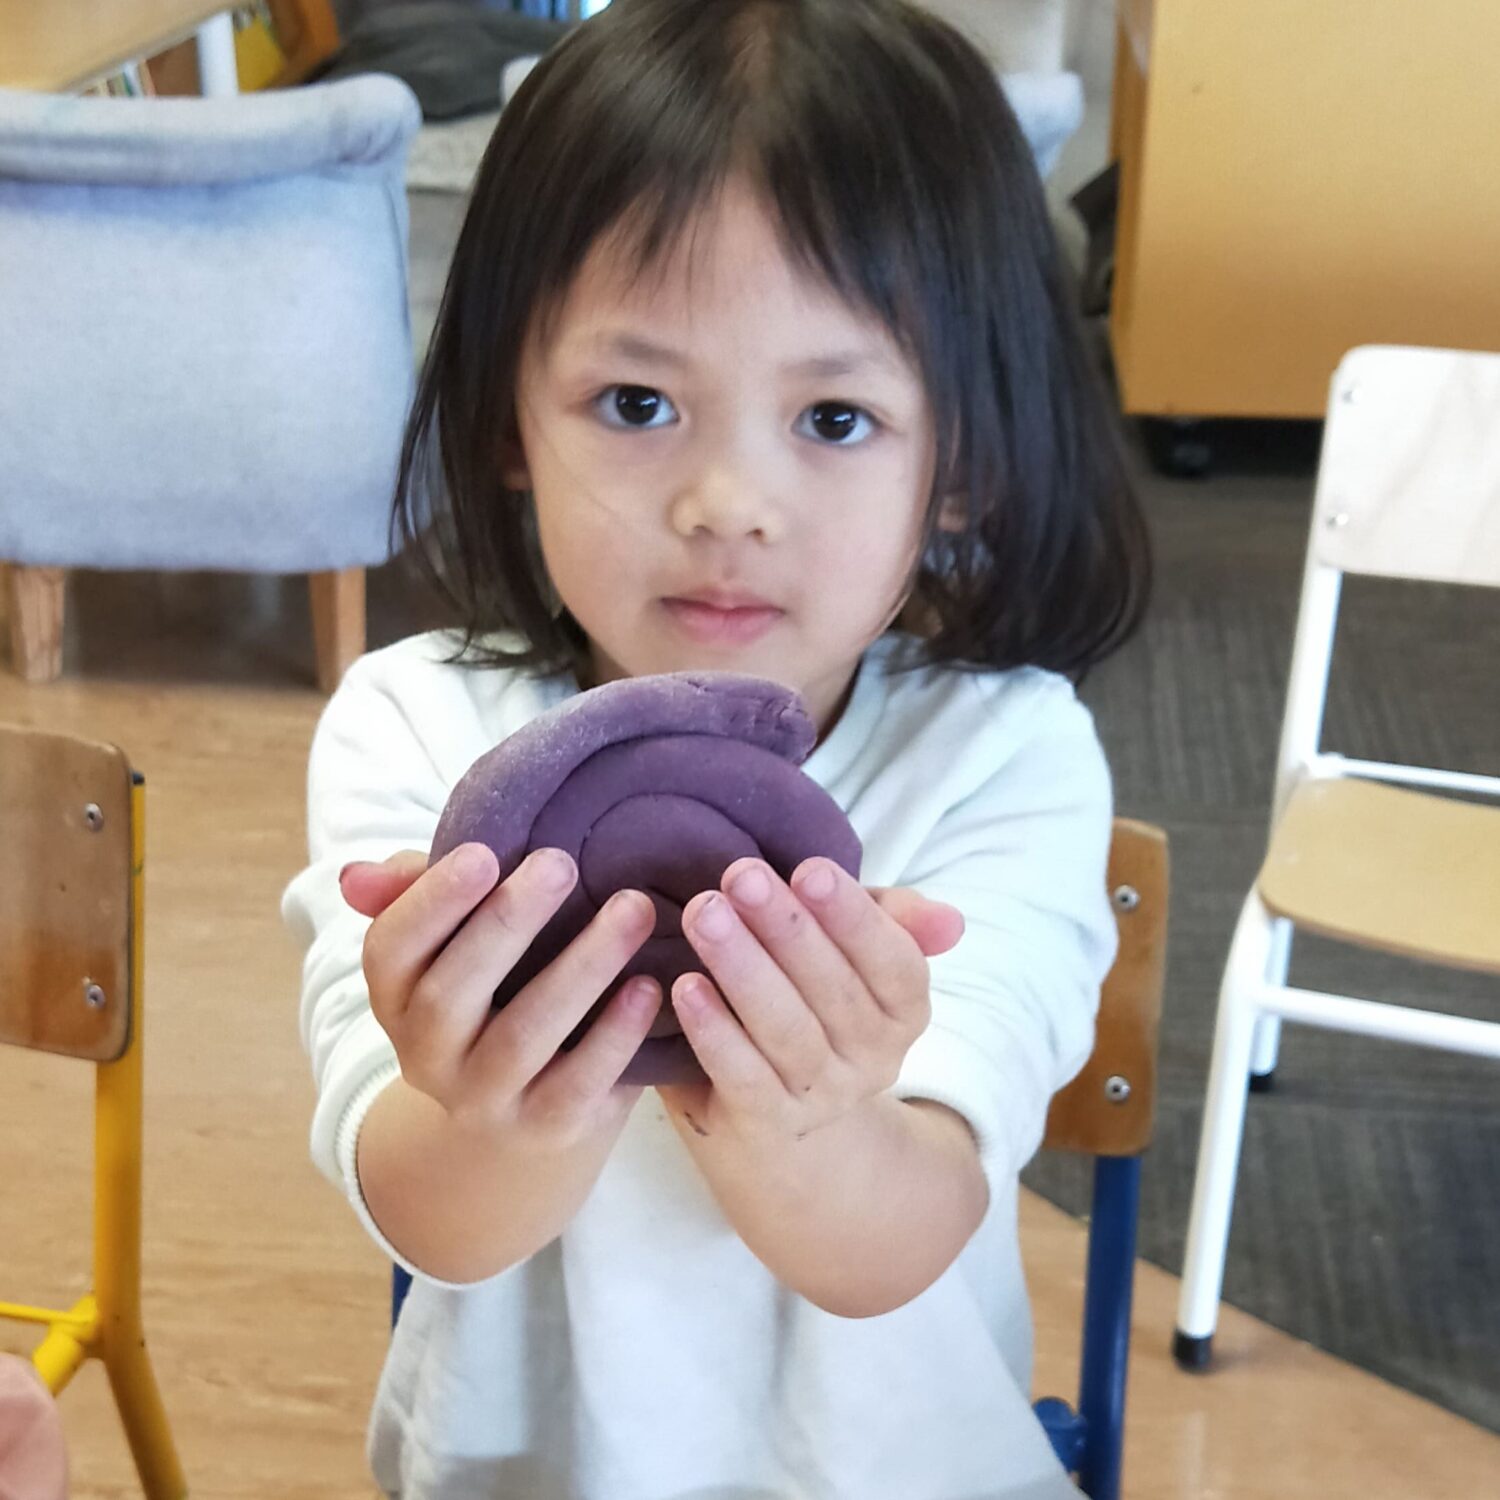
(633, 346)
(846, 362)
(823, 366)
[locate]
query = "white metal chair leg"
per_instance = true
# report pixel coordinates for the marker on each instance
(1219, 1145)
(1267, 1044)
(1264, 1050)
(218, 68)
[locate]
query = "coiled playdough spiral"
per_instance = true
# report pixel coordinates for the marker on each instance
(655, 784)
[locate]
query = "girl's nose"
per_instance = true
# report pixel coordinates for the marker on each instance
(729, 500)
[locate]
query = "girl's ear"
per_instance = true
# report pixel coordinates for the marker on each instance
(514, 473)
(953, 513)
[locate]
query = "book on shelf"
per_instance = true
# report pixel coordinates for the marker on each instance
(258, 53)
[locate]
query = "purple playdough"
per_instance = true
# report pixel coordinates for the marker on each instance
(657, 784)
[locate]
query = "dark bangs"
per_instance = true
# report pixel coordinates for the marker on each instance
(897, 170)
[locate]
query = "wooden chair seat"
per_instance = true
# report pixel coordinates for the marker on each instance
(1389, 868)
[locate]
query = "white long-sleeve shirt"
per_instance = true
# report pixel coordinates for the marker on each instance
(646, 1354)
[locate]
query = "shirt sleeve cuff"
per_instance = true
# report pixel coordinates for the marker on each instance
(346, 1153)
(946, 1068)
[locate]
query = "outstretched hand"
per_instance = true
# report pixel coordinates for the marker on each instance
(818, 997)
(822, 987)
(442, 939)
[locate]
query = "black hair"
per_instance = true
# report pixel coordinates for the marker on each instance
(885, 147)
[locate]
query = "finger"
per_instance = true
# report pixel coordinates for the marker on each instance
(810, 959)
(446, 1010)
(405, 938)
(518, 1043)
(574, 1082)
(369, 886)
(736, 1067)
(880, 950)
(450, 1005)
(773, 1012)
(935, 925)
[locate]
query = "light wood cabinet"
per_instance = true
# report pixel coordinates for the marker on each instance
(1298, 177)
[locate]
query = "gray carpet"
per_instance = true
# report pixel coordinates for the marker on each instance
(1367, 1219)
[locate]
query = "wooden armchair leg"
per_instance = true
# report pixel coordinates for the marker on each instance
(338, 613)
(36, 621)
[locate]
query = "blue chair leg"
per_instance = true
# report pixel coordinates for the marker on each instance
(400, 1286)
(1106, 1323)
(1064, 1429)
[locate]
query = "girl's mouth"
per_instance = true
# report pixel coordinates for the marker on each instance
(705, 623)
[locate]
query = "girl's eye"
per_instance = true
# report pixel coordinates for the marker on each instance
(634, 406)
(836, 422)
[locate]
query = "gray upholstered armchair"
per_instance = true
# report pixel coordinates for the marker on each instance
(205, 355)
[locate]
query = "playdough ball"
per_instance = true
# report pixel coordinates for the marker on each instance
(655, 784)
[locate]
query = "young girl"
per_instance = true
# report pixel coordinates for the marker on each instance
(755, 342)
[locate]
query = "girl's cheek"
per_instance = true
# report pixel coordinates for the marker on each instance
(615, 499)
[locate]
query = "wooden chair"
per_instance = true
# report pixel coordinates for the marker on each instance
(1408, 487)
(1107, 1112)
(71, 822)
(37, 602)
(307, 31)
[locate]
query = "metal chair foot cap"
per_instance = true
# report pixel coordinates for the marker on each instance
(1263, 1083)
(1192, 1353)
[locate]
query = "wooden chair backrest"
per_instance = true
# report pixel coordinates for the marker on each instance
(65, 894)
(1110, 1107)
(1409, 476)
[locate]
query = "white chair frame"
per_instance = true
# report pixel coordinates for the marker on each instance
(1348, 534)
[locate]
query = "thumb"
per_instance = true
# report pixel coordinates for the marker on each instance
(935, 925)
(369, 886)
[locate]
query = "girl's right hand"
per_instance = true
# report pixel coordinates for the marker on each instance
(444, 937)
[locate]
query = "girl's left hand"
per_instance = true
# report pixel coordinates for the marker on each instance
(827, 988)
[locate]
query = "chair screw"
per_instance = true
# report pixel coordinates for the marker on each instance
(1337, 521)
(1126, 897)
(93, 994)
(1116, 1089)
(93, 815)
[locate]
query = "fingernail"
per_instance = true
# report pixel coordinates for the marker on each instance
(636, 903)
(349, 867)
(554, 869)
(471, 862)
(640, 994)
(690, 996)
(751, 886)
(713, 919)
(817, 884)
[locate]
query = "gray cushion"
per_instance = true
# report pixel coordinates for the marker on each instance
(205, 356)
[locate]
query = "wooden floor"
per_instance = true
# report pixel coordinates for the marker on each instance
(265, 1306)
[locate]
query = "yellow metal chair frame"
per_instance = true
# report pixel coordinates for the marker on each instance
(60, 795)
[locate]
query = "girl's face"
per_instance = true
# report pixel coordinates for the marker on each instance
(724, 426)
